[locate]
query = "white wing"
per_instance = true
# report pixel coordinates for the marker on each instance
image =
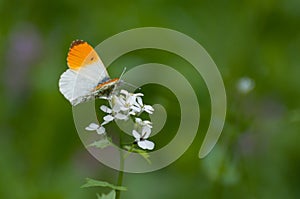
(77, 84)
(85, 73)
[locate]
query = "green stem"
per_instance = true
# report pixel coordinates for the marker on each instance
(128, 152)
(121, 172)
(120, 180)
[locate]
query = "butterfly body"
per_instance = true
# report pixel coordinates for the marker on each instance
(86, 77)
(105, 89)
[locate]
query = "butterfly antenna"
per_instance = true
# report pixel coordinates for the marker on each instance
(122, 73)
(126, 83)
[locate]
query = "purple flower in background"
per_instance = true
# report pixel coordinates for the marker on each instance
(24, 49)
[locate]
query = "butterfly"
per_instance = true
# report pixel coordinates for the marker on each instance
(86, 77)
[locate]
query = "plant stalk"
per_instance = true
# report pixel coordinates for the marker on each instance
(121, 172)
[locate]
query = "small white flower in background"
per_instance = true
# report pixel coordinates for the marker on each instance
(141, 139)
(245, 85)
(95, 127)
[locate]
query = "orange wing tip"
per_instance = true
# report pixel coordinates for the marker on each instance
(81, 54)
(77, 42)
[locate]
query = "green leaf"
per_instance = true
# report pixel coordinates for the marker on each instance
(110, 195)
(97, 183)
(101, 143)
(143, 153)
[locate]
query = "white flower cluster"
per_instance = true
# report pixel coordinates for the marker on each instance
(122, 107)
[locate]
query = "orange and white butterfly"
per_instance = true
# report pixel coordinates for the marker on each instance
(86, 77)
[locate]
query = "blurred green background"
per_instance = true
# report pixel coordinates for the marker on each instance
(257, 156)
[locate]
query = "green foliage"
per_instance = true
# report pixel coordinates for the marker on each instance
(97, 183)
(102, 143)
(141, 152)
(110, 195)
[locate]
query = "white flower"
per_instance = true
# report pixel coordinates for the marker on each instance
(122, 107)
(116, 103)
(131, 97)
(112, 114)
(149, 109)
(142, 141)
(95, 127)
(144, 123)
(128, 100)
(245, 85)
(140, 106)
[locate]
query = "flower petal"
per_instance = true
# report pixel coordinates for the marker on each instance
(147, 122)
(138, 120)
(122, 101)
(130, 100)
(101, 130)
(105, 109)
(92, 127)
(149, 109)
(146, 131)
(140, 101)
(124, 108)
(105, 122)
(138, 94)
(121, 116)
(124, 92)
(117, 107)
(136, 109)
(136, 135)
(104, 97)
(132, 113)
(108, 118)
(146, 144)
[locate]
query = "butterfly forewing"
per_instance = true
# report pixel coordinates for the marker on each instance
(86, 72)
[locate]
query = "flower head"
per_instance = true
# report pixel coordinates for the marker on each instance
(95, 127)
(113, 114)
(123, 106)
(140, 107)
(143, 123)
(128, 101)
(141, 139)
